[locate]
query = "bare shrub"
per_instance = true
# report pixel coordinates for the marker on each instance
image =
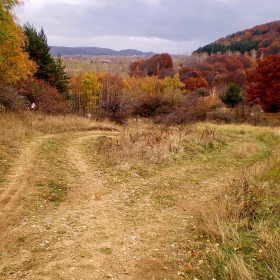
(242, 113)
(246, 113)
(177, 116)
(173, 98)
(202, 92)
(146, 105)
(194, 107)
(10, 99)
(221, 114)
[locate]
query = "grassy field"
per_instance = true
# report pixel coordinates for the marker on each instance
(108, 64)
(198, 201)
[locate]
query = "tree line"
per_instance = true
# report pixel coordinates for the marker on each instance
(152, 88)
(26, 64)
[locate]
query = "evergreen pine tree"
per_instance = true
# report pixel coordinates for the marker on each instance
(61, 76)
(232, 95)
(49, 69)
(39, 51)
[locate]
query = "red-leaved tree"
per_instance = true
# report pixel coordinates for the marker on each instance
(195, 83)
(264, 84)
(151, 66)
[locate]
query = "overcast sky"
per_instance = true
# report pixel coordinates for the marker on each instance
(173, 26)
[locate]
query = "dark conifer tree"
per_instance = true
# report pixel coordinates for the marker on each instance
(49, 69)
(62, 79)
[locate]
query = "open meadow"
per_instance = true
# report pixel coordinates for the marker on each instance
(95, 63)
(107, 63)
(82, 199)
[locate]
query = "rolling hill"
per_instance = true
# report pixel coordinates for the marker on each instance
(264, 38)
(56, 50)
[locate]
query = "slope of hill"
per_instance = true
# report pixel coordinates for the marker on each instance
(56, 50)
(264, 38)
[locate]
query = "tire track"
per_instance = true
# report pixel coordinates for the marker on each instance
(89, 182)
(18, 183)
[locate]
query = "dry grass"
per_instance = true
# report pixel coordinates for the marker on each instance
(240, 231)
(141, 144)
(17, 128)
(238, 235)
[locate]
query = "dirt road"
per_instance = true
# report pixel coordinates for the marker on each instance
(108, 226)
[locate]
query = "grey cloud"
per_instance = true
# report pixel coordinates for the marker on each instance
(173, 20)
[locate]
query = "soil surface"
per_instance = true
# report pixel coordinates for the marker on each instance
(107, 227)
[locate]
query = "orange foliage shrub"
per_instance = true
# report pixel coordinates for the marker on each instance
(195, 83)
(46, 97)
(238, 77)
(185, 73)
(134, 66)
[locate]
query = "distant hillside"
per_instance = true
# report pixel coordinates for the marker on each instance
(264, 38)
(56, 50)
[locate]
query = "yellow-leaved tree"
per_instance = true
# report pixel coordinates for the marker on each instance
(151, 85)
(173, 84)
(90, 90)
(15, 65)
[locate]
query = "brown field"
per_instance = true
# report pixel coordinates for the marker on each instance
(106, 63)
(81, 199)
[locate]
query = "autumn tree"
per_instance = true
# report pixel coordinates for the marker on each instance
(172, 84)
(264, 84)
(195, 83)
(111, 101)
(90, 91)
(166, 72)
(151, 85)
(7, 5)
(151, 66)
(15, 65)
(111, 92)
(75, 92)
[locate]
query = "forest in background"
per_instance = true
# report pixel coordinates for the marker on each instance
(259, 41)
(210, 85)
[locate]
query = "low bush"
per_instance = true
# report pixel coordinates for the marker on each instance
(46, 97)
(10, 99)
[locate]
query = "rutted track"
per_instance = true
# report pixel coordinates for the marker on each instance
(17, 182)
(107, 228)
